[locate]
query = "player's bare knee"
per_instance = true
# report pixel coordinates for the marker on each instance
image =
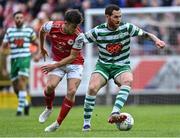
(71, 92)
(23, 80)
(93, 89)
(71, 96)
(49, 89)
(127, 82)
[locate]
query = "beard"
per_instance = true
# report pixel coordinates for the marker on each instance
(19, 24)
(112, 25)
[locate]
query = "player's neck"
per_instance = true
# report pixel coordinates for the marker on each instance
(111, 28)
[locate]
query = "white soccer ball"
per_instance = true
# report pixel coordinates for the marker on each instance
(126, 124)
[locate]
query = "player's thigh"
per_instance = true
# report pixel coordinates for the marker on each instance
(74, 76)
(125, 78)
(51, 84)
(54, 77)
(97, 81)
(52, 81)
(73, 84)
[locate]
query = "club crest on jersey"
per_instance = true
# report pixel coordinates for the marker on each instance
(70, 42)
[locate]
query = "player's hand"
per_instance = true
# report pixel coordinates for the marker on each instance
(160, 44)
(47, 68)
(44, 53)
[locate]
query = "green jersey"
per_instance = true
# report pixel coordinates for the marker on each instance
(113, 46)
(19, 40)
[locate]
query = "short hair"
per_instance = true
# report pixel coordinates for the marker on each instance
(17, 12)
(109, 9)
(73, 16)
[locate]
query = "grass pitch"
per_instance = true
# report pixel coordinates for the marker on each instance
(150, 121)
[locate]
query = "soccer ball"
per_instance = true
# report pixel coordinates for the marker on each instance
(126, 124)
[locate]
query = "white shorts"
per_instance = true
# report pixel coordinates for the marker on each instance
(71, 71)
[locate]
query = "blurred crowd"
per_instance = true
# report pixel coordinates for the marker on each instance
(164, 25)
(39, 11)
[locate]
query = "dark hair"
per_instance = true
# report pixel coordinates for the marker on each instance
(73, 16)
(18, 12)
(109, 9)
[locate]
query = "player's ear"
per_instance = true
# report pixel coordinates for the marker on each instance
(107, 16)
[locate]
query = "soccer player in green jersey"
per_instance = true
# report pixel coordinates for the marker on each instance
(18, 39)
(113, 41)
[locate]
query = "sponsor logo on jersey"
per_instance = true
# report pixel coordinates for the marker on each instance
(114, 49)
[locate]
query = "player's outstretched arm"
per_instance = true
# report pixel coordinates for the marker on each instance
(49, 67)
(73, 55)
(159, 43)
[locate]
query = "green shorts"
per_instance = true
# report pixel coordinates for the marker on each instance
(109, 71)
(20, 66)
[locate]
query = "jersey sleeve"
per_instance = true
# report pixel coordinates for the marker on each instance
(79, 42)
(134, 30)
(47, 26)
(85, 38)
(90, 36)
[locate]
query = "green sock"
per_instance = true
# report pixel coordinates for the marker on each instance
(121, 98)
(21, 100)
(89, 104)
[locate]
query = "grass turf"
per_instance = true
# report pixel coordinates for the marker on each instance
(150, 121)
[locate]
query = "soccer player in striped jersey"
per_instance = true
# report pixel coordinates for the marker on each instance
(113, 41)
(18, 39)
(62, 35)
